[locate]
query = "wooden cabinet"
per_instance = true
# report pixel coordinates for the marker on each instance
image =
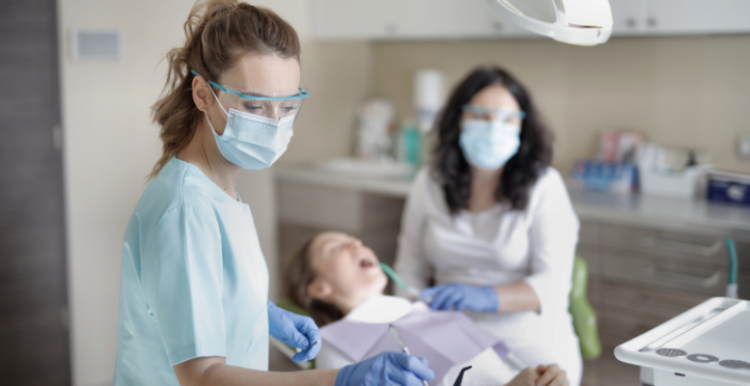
(640, 277)
(468, 19)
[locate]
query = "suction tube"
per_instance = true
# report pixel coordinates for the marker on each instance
(732, 285)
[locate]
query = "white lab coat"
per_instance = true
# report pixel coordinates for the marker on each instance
(488, 369)
(501, 246)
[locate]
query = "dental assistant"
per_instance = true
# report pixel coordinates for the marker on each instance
(194, 306)
(490, 223)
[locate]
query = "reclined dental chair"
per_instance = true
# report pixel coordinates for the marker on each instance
(584, 317)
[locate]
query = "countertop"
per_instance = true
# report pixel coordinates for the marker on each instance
(311, 174)
(589, 205)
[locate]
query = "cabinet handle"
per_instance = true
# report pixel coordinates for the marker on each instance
(683, 279)
(651, 22)
(676, 246)
(497, 26)
(631, 22)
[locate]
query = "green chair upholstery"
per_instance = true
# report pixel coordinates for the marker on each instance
(285, 304)
(584, 318)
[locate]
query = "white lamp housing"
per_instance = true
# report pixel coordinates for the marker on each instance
(580, 22)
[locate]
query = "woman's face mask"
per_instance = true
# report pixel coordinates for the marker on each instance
(258, 128)
(253, 142)
(490, 137)
(489, 144)
(490, 128)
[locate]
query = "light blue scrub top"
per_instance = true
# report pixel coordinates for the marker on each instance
(194, 280)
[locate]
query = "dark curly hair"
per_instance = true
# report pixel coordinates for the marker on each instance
(520, 173)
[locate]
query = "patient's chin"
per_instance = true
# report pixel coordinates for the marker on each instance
(375, 286)
(379, 284)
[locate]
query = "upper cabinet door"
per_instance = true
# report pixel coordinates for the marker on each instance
(454, 19)
(629, 17)
(698, 16)
(354, 19)
(409, 19)
(466, 19)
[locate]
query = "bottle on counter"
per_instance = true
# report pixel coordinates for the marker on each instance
(409, 144)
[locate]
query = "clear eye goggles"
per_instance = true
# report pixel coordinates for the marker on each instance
(259, 103)
(500, 115)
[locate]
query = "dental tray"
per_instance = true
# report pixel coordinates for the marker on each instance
(706, 345)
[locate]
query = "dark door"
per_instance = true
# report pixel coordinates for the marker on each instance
(33, 313)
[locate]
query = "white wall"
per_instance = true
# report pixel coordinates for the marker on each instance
(111, 145)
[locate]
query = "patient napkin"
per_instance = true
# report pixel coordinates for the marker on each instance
(445, 338)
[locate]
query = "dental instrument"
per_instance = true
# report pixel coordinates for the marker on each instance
(460, 378)
(515, 362)
(299, 350)
(401, 344)
(396, 279)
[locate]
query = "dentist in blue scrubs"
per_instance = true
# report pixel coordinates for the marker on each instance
(194, 306)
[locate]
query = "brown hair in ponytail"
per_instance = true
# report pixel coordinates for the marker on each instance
(298, 276)
(217, 32)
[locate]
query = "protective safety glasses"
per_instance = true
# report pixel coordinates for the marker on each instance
(501, 115)
(257, 102)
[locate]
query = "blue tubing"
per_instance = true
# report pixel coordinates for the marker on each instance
(732, 261)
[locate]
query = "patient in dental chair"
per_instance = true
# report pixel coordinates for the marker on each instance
(337, 280)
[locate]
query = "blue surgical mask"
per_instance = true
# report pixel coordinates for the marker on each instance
(489, 144)
(252, 141)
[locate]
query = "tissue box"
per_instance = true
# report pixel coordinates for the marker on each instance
(676, 184)
(605, 176)
(728, 187)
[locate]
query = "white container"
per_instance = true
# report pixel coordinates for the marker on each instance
(682, 184)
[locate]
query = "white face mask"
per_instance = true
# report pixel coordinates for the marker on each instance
(489, 144)
(252, 141)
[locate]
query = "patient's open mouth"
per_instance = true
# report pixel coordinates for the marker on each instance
(366, 263)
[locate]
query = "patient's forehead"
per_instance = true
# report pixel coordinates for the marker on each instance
(323, 242)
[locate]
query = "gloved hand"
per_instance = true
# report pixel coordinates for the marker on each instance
(295, 330)
(462, 297)
(388, 368)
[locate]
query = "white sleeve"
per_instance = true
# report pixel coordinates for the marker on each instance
(411, 264)
(330, 357)
(553, 236)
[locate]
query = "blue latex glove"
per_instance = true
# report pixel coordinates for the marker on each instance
(295, 330)
(459, 297)
(388, 368)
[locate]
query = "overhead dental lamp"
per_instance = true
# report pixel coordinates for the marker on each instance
(579, 22)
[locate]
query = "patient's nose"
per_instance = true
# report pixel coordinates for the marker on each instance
(355, 244)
